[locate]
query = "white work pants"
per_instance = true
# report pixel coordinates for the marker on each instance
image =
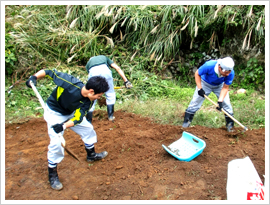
(55, 151)
(104, 71)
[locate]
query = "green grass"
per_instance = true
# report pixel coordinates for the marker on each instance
(249, 110)
(167, 107)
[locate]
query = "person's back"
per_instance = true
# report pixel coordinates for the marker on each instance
(60, 99)
(101, 66)
(98, 60)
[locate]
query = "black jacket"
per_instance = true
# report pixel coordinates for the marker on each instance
(66, 97)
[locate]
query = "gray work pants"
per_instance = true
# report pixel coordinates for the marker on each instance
(197, 100)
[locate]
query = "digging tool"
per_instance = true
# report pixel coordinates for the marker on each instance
(63, 142)
(226, 113)
(119, 87)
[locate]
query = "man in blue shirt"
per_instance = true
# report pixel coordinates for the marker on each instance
(213, 76)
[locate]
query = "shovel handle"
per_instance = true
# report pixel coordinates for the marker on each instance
(226, 113)
(43, 106)
(119, 87)
(37, 94)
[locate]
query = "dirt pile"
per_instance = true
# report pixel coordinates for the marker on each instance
(137, 167)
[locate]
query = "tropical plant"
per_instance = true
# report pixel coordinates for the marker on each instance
(253, 74)
(72, 34)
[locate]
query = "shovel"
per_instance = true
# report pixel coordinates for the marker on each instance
(63, 142)
(119, 87)
(226, 113)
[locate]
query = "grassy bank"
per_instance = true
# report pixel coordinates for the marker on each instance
(249, 109)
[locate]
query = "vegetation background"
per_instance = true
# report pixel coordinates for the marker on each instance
(142, 39)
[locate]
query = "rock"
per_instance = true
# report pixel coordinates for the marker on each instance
(194, 69)
(241, 91)
(75, 197)
(119, 167)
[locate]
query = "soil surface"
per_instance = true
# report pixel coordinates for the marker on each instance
(137, 166)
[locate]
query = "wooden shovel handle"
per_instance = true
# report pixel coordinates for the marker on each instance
(119, 87)
(226, 113)
(37, 94)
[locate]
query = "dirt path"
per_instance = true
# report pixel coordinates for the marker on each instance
(137, 166)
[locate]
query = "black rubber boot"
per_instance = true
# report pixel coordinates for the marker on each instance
(229, 123)
(53, 179)
(93, 156)
(110, 110)
(89, 116)
(188, 119)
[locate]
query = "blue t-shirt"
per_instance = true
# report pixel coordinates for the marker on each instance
(208, 74)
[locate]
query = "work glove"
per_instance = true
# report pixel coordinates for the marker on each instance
(89, 116)
(128, 84)
(59, 127)
(220, 106)
(201, 92)
(33, 79)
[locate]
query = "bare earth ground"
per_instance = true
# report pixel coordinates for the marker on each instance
(137, 167)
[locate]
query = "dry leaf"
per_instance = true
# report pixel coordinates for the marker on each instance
(73, 23)
(183, 28)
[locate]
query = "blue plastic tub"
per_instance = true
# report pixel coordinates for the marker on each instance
(186, 148)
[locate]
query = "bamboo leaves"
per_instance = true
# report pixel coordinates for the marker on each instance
(157, 30)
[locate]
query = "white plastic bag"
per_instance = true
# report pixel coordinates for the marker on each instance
(243, 181)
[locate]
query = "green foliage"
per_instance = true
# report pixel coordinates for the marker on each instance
(10, 57)
(163, 100)
(171, 110)
(225, 41)
(72, 34)
(253, 74)
(141, 39)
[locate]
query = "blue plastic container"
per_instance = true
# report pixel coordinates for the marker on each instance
(186, 148)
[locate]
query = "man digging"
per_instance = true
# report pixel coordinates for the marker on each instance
(65, 108)
(213, 76)
(100, 66)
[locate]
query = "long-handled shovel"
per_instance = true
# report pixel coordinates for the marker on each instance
(226, 113)
(63, 142)
(116, 88)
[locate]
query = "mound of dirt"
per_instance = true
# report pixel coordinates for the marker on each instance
(136, 168)
(102, 101)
